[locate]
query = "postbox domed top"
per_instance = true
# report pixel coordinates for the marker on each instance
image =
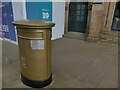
(33, 23)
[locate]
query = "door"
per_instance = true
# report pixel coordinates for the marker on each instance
(78, 12)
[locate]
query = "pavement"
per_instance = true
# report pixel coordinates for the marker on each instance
(75, 64)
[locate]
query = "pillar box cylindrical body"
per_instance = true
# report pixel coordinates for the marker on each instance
(34, 40)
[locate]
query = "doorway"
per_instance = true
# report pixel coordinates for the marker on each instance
(116, 18)
(77, 20)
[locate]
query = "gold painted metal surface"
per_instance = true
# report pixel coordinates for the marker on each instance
(35, 64)
(33, 24)
(30, 35)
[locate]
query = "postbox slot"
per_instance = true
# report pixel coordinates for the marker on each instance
(29, 35)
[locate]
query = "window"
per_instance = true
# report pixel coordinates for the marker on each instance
(116, 18)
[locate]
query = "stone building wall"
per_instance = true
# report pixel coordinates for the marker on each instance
(106, 34)
(101, 23)
(100, 18)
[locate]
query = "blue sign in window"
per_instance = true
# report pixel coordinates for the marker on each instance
(8, 30)
(39, 10)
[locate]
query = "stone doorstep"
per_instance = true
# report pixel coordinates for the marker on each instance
(109, 37)
(109, 41)
(101, 40)
(75, 35)
(106, 37)
(92, 39)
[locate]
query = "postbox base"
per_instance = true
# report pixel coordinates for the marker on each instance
(36, 84)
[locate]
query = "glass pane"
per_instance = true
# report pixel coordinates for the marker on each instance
(82, 18)
(78, 6)
(116, 23)
(78, 12)
(82, 12)
(77, 18)
(83, 7)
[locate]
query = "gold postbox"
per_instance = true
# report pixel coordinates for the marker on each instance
(34, 40)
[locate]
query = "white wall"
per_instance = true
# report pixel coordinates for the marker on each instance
(58, 12)
(19, 11)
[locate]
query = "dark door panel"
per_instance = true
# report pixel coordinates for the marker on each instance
(78, 12)
(116, 18)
